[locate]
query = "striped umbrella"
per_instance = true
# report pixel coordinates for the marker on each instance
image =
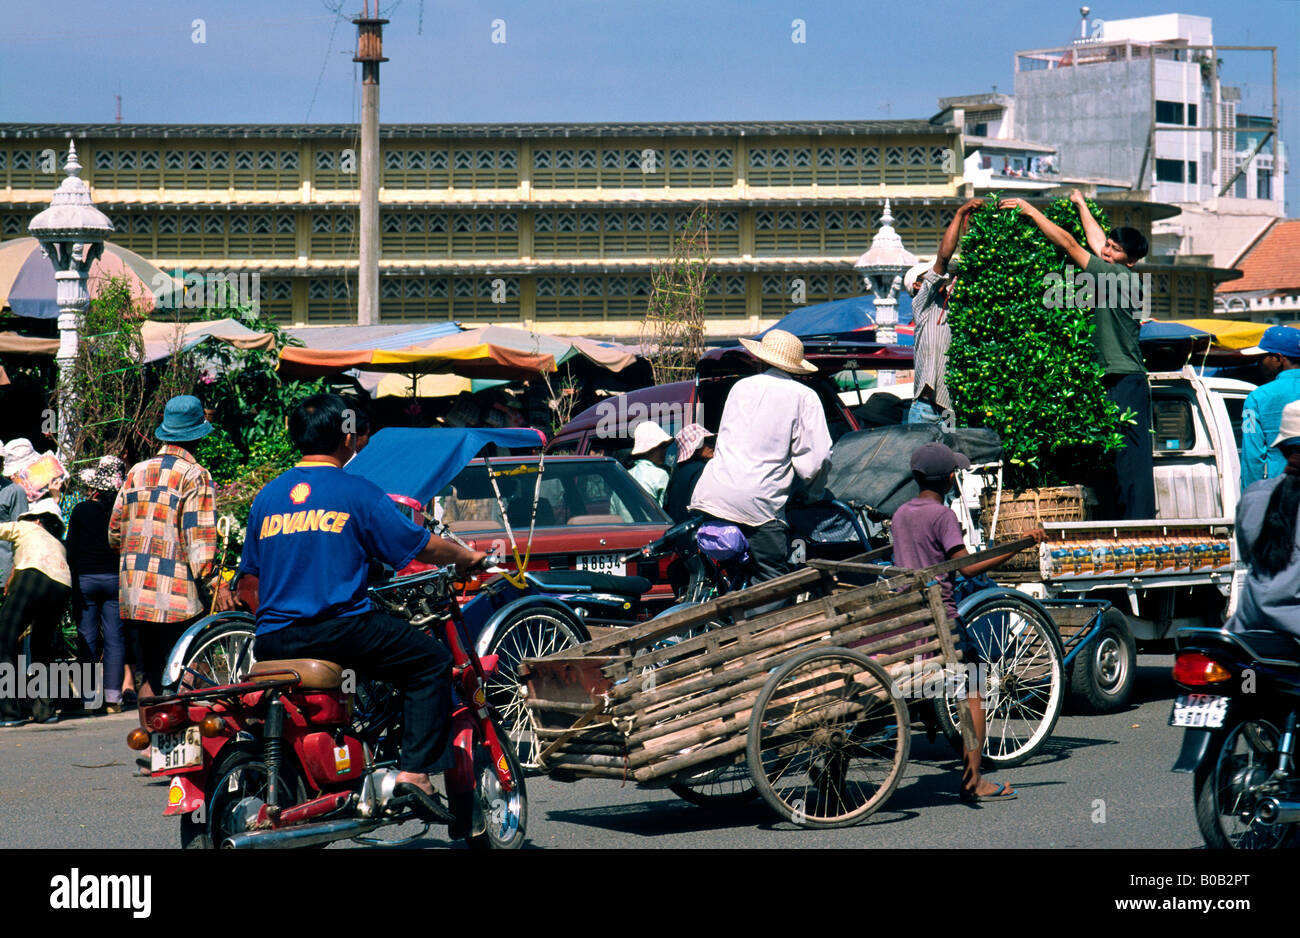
(27, 285)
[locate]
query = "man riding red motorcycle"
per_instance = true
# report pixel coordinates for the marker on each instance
(311, 534)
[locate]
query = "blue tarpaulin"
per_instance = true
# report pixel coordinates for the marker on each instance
(1155, 331)
(418, 462)
(839, 317)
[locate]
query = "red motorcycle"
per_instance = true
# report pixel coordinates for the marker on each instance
(304, 753)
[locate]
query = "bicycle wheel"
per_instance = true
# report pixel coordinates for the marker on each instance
(1227, 796)
(828, 738)
(530, 632)
(222, 654)
(1021, 676)
(724, 787)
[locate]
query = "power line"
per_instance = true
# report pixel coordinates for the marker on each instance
(337, 10)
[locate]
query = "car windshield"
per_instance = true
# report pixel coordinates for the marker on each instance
(573, 493)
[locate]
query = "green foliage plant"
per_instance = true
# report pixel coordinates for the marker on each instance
(1021, 364)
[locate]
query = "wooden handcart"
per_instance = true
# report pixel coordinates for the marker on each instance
(806, 702)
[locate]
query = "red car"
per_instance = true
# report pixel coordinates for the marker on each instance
(589, 514)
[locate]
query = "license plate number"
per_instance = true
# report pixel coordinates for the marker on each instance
(602, 563)
(1199, 710)
(177, 750)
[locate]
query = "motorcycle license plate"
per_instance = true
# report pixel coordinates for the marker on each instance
(602, 563)
(177, 750)
(1199, 710)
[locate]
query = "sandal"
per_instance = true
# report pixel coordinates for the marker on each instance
(426, 806)
(1004, 793)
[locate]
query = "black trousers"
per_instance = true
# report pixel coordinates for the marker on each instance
(1135, 487)
(36, 600)
(151, 644)
(390, 649)
(769, 547)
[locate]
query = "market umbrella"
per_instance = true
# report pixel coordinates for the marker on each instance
(378, 384)
(481, 360)
(608, 355)
(27, 285)
(162, 339)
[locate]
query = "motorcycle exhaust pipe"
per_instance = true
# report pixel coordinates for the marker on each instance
(306, 835)
(1273, 811)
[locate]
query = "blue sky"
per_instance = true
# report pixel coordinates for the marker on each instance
(567, 60)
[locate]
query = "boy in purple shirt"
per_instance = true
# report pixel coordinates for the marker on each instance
(926, 532)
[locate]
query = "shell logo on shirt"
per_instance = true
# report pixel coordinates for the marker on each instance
(298, 494)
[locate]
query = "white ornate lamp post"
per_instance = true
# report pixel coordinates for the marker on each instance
(882, 267)
(72, 232)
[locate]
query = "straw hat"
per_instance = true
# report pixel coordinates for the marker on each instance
(782, 350)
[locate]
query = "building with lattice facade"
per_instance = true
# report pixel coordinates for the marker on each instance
(553, 226)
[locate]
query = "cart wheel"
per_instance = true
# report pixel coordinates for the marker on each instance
(724, 787)
(828, 738)
(1024, 677)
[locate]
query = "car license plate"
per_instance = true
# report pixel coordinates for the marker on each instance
(177, 750)
(603, 563)
(1199, 710)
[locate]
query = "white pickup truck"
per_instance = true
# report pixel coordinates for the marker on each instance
(1111, 586)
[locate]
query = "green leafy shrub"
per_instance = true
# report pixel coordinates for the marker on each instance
(1022, 367)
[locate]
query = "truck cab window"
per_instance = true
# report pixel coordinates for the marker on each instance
(1175, 427)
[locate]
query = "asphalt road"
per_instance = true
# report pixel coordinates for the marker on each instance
(1102, 781)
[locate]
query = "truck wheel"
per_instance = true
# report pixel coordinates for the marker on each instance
(1104, 670)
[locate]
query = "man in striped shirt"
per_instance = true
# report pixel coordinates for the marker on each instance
(928, 284)
(164, 525)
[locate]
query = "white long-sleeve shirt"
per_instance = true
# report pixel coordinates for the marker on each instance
(773, 429)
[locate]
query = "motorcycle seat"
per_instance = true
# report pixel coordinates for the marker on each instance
(1268, 643)
(584, 581)
(312, 673)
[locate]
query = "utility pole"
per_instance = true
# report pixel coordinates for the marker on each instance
(370, 52)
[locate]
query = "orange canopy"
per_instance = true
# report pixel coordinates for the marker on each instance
(483, 360)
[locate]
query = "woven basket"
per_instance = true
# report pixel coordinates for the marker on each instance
(1023, 511)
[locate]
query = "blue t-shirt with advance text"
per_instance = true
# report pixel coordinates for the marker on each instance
(311, 533)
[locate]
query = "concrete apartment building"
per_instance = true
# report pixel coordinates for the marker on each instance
(1131, 105)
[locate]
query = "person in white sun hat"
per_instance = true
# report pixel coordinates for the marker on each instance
(18, 455)
(649, 449)
(1266, 539)
(773, 436)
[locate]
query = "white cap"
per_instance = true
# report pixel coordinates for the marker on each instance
(1290, 428)
(914, 274)
(647, 436)
(41, 507)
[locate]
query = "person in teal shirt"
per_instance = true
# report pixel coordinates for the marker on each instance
(1261, 417)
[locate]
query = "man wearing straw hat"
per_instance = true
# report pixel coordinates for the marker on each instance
(773, 436)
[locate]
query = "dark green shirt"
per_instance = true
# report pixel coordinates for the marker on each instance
(1117, 308)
